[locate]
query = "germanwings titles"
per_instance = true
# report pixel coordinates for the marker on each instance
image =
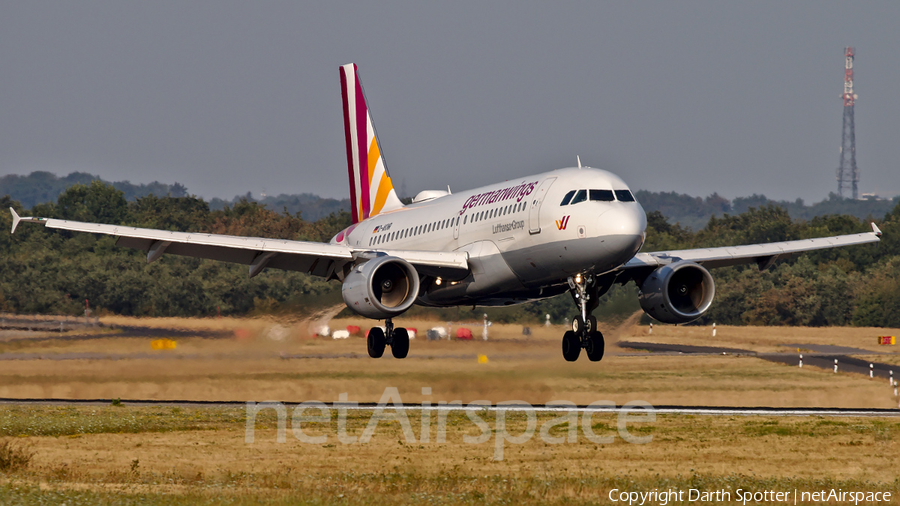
(576, 230)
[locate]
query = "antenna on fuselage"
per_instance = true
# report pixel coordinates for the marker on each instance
(448, 190)
(579, 160)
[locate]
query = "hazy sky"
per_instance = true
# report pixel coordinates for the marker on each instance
(233, 96)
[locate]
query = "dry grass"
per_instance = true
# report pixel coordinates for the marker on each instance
(766, 339)
(252, 366)
(195, 454)
(14, 457)
(165, 455)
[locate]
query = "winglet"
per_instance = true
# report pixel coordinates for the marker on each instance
(876, 230)
(16, 220)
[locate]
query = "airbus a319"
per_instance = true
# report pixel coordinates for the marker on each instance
(577, 230)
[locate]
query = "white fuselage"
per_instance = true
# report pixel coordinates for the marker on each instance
(522, 243)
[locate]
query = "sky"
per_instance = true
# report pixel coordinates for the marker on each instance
(227, 96)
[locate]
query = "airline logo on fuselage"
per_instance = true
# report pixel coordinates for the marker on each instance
(561, 224)
(513, 192)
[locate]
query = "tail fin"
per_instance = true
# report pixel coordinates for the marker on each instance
(371, 190)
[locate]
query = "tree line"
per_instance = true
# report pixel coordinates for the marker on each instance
(686, 210)
(52, 271)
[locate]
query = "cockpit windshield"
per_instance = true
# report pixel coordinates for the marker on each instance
(602, 195)
(581, 196)
(624, 196)
(578, 196)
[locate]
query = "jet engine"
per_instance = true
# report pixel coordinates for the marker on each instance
(381, 288)
(677, 293)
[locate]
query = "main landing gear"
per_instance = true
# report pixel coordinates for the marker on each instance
(584, 334)
(398, 339)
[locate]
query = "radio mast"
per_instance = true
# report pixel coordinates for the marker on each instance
(847, 173)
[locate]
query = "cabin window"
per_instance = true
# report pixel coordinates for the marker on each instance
(581, 196)
(602, 195)
(624, 196)
(464, 219)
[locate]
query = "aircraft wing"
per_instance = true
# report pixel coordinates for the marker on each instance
(762, 254)
(319, 259)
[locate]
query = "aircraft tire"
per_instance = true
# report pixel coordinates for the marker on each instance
(595, 346)
(571, 346)
(375, 342)
(578, 325)
(400, 343)
(590, 326)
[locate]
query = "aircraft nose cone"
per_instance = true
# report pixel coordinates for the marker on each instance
(626, 226)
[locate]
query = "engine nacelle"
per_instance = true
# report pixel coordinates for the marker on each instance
(677, 293)
(381, 288)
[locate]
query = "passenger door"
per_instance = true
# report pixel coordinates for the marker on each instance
(534, 210)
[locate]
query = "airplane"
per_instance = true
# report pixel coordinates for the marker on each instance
(577, 230)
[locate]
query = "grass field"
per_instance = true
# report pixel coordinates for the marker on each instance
(178, 455)
(247, 364)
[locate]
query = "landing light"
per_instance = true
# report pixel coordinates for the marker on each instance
(578, 278)
(438, 281)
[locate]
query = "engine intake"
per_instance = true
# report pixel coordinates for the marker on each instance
(677, 293)
(381, 288)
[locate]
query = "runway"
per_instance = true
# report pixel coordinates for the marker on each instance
(512, 407)
(820, 356)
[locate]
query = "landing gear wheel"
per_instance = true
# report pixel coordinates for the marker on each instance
(594, 346)
(578, 325)
(400, 343)
(571, 346)
(375, 342)
(590, 325)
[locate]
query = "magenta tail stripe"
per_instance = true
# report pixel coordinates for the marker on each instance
(362, 137)
(345, 98)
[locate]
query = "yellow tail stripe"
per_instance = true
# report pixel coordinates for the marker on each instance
(374, 155)
(384, 188)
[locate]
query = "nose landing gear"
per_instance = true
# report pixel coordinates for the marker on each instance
(396, 338)
(584, 334)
